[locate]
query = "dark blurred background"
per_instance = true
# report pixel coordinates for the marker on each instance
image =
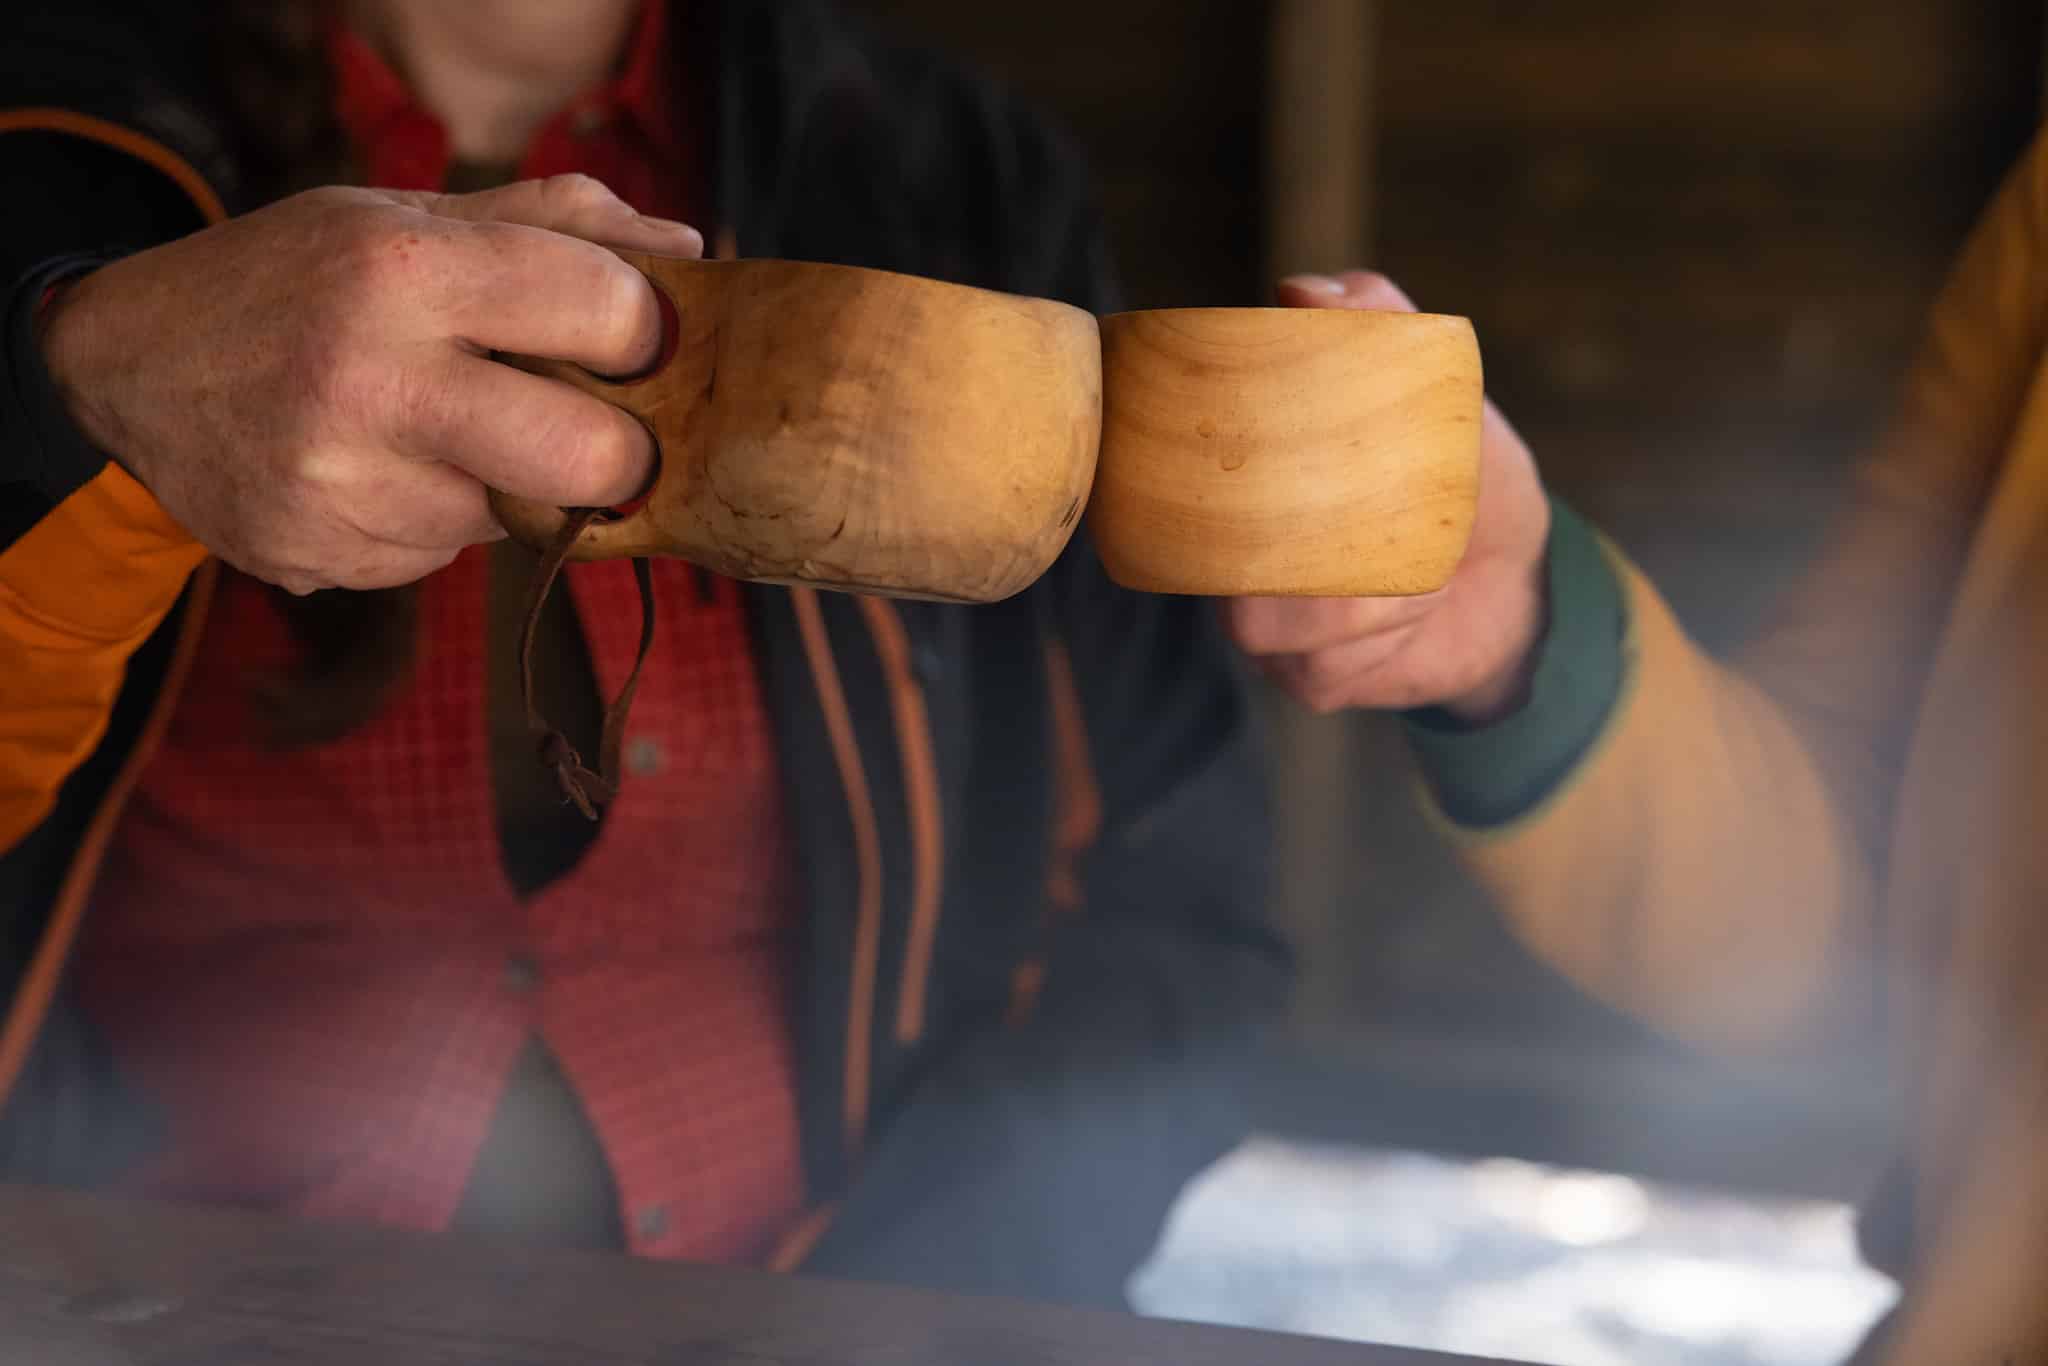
(1698, 239)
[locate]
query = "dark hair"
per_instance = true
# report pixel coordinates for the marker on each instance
(270, 69)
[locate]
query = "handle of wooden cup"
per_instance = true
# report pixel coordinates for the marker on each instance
(536, 524)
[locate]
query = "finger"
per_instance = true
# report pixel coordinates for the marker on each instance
(1277, 626)
(1359, 289)
(1345, 675)
(575, 205)
(534, 292)
(526, 434)
(441, 508)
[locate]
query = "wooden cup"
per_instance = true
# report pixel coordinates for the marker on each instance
(1286, 452)
(852, 428)
(857, 429)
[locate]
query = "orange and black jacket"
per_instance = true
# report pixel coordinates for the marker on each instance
(1032, 835)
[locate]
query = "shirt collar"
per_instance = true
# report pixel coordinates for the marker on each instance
(404, 145)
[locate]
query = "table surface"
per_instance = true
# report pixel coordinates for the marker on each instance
(93, 1281)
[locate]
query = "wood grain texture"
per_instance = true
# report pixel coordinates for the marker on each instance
(1286, 451)
(88, 1281)
(853, 428)
(862, 430)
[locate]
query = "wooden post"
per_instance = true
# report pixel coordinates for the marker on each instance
(1319, 134)
(1319, 198)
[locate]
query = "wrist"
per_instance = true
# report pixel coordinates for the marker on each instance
(1488, 774)
(42, 443)
(71, 332)
(1505, 689)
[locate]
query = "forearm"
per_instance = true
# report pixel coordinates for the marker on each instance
(1654, 825)
(1699, 842)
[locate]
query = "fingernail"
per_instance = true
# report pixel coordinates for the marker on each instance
(1314, 284)
(1377, 290)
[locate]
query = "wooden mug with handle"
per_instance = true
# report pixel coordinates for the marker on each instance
(852, 429)
(881, 433)
(858, 429)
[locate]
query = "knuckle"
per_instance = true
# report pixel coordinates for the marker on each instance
(625, 295)
(416, 397)
(574, 191)
(321, 199)
(372, 254)
(603, 452)
(386, 260)
(622, 309)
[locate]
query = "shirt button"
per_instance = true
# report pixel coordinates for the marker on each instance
(587, 122)
(644, 757)
(652, 1222)
(521, 973)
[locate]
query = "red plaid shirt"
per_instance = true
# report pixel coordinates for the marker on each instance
(314, 959)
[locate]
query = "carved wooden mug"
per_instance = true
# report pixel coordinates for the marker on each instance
(858, 429)
(852, 428)
(1286, 451)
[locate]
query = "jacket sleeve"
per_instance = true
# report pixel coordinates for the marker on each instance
(89, 564)
(1040, 1159)
(1702, 845)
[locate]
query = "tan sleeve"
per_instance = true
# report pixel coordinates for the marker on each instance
(1711, 862)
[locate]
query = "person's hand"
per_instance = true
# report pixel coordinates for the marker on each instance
(1466, 647)
(309, 390)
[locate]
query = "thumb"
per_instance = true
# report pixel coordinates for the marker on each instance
(1360, 289)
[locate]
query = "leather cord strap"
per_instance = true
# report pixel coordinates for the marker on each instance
(586, 789)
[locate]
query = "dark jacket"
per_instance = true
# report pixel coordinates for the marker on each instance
(1062, 784)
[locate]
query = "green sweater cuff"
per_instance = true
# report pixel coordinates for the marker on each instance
(1490, 775)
